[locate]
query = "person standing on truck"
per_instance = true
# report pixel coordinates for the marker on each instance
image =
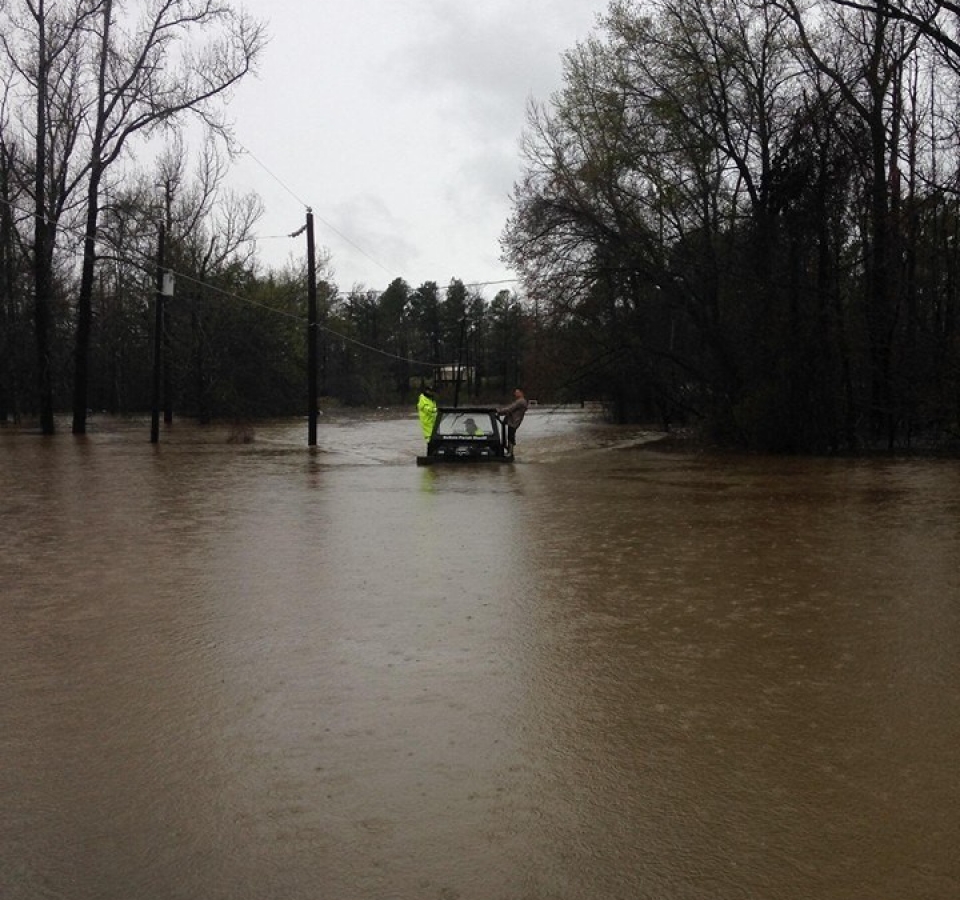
(427, 410)
(512, 416)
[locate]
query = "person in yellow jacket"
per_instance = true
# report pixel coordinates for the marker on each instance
(427, 410)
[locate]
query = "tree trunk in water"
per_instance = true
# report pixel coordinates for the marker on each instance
(81, 371)
(85, 298)
(42, 241)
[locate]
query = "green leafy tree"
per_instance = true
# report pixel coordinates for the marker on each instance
(395, 309)
(425, 319)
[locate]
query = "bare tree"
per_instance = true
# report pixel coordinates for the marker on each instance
(208, 224)
(209, 229)
(930, 18)
(40, 48)
(10, 294)
(865, 64)
(180, 57)
(101, 74)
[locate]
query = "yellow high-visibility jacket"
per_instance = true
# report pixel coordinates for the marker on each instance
(427, 410)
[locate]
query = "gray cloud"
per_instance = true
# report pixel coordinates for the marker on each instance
(399, 122)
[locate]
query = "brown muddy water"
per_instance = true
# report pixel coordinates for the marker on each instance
(607, 671)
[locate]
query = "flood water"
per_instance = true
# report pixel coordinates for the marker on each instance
(606, 671)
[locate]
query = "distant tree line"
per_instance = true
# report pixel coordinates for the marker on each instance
(381, 346)
(746, 215)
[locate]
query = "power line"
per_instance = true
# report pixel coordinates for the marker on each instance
(272, 174)
(144, 263)
(80, 236)
(298, 318)
(329, 225)
(335, 230)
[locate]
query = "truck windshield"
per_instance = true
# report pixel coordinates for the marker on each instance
(465, 424)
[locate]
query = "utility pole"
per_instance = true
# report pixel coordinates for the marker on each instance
(311, 333)
(167, 292)
(157, 341)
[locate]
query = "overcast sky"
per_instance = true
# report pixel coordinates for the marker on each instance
(398, 122)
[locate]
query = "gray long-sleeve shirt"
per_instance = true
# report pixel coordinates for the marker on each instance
(515, 412)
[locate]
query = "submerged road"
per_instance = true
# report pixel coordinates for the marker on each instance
(605, 671)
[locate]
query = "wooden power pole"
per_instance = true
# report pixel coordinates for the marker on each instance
(311, 332)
